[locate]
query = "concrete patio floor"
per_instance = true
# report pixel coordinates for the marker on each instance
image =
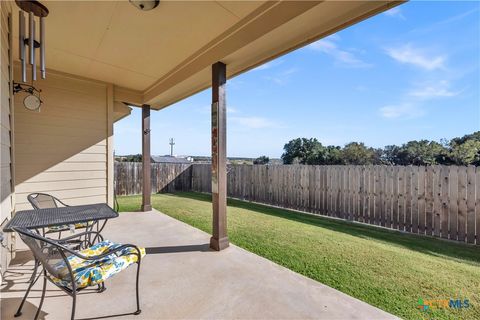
(182, 279)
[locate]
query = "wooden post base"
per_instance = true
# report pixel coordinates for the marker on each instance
(146, 207)
(219, 244)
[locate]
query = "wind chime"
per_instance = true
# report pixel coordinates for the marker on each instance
(27, 49)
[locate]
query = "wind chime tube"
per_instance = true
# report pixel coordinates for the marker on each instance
(34, 64)
(21, 42)
(42, 47)
(31, 36)
(21, 39)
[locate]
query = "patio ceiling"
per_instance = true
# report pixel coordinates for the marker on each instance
(164, 55)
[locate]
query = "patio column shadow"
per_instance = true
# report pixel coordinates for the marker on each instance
(177, 249)
(22, 257)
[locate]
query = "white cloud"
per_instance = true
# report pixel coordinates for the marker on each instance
(342, 57)
(254, 122)
(282, 78)
(417, 57)
(412, 105)
(395, 13)
(438, 89)
(405, 110)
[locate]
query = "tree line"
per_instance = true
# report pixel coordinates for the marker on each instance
(458, 151)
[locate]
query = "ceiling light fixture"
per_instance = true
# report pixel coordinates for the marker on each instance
(145, 5)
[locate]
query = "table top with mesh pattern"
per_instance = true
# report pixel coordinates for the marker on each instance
(41, 218)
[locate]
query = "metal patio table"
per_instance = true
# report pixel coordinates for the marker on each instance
(44, 218)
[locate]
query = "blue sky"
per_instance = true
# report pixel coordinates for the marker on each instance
(410, 73)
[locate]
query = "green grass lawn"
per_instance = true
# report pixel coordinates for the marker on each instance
(387, 269)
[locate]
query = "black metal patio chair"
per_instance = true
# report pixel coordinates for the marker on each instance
(72, 270)
(44, 201)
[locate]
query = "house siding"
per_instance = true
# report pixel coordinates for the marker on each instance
(6, 124)
(64, 149)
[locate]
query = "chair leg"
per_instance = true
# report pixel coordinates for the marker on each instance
(101, 287)
(138, 297)
(35, 268)
(43, 295)
(33, 280)
(74, 296)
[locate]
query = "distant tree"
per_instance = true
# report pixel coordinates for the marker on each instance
(378, 156)
(460, 151)
(261, 160)
(465, 150)
(419, 153)
(328, 155)
(291, 150)
(137, 158)
(390, 154)
(317, 155)
(334, 155)
(466, 153)
(300, 150)
(131, 158)
(358, 154)
(474, 136)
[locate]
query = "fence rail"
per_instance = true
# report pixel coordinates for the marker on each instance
(442, 201)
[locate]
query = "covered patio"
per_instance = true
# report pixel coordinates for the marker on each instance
(181, 278)
(104, 58)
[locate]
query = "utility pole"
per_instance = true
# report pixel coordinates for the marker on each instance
(172, 143)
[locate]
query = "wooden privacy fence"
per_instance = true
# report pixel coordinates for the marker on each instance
(166, 177)
(442, 201)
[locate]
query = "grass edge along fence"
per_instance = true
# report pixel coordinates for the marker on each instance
(441, 201)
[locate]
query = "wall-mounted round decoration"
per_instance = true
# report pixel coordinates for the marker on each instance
(32, 102)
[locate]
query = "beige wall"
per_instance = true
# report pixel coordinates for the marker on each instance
(65, 149)
(6, 177)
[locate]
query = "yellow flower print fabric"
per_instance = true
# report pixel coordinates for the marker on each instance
(93, 272)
